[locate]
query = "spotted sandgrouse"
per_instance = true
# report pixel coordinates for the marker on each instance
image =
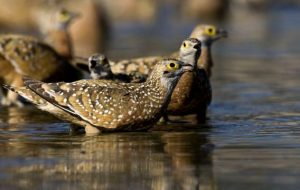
(25, 55)
(192, 94)
(102, 105)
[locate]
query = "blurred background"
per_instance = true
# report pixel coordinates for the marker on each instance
(252, 140)
(142, 27)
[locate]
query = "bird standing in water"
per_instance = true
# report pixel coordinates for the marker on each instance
(192, 94)
(103, 105)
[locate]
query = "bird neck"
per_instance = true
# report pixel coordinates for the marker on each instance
(155, 95)
(155, 85)
(60, 40)
(191, 58)
(162, 89)
(205, 62)
(168, 93)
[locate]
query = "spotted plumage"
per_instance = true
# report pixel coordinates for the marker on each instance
(102, 105)
(25, 55)
(193, 93)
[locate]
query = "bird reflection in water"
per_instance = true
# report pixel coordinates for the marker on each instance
(191, 157)
(153, 160)
(24, 115)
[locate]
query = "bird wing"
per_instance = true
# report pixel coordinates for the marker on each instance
(29, 56)
(95, 101)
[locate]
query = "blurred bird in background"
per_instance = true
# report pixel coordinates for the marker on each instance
(25, 55)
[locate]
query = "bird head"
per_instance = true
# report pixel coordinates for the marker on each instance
(99, 66)
(207, 34)
(190, 50)
(64, 17)
(169, 71)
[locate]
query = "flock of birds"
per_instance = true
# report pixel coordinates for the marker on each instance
(125, 95)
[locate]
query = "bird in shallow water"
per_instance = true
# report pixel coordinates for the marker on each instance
(193, 92)
(26, 55)
(103, 105)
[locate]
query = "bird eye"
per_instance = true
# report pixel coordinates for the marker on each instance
(64, 12)
(173, 66)
(185, 44)
(211, 31)
(63, 16)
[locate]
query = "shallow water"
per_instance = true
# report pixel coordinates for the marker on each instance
(252, 140)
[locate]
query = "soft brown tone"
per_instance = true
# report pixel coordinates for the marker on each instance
(102, 105)
(24, 55)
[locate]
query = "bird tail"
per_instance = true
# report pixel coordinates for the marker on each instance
(25, 93)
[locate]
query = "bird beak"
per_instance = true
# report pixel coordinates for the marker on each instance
(222, 33)
(197, 46)
(188, 67)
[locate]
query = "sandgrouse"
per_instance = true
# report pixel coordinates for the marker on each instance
(104, 105)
